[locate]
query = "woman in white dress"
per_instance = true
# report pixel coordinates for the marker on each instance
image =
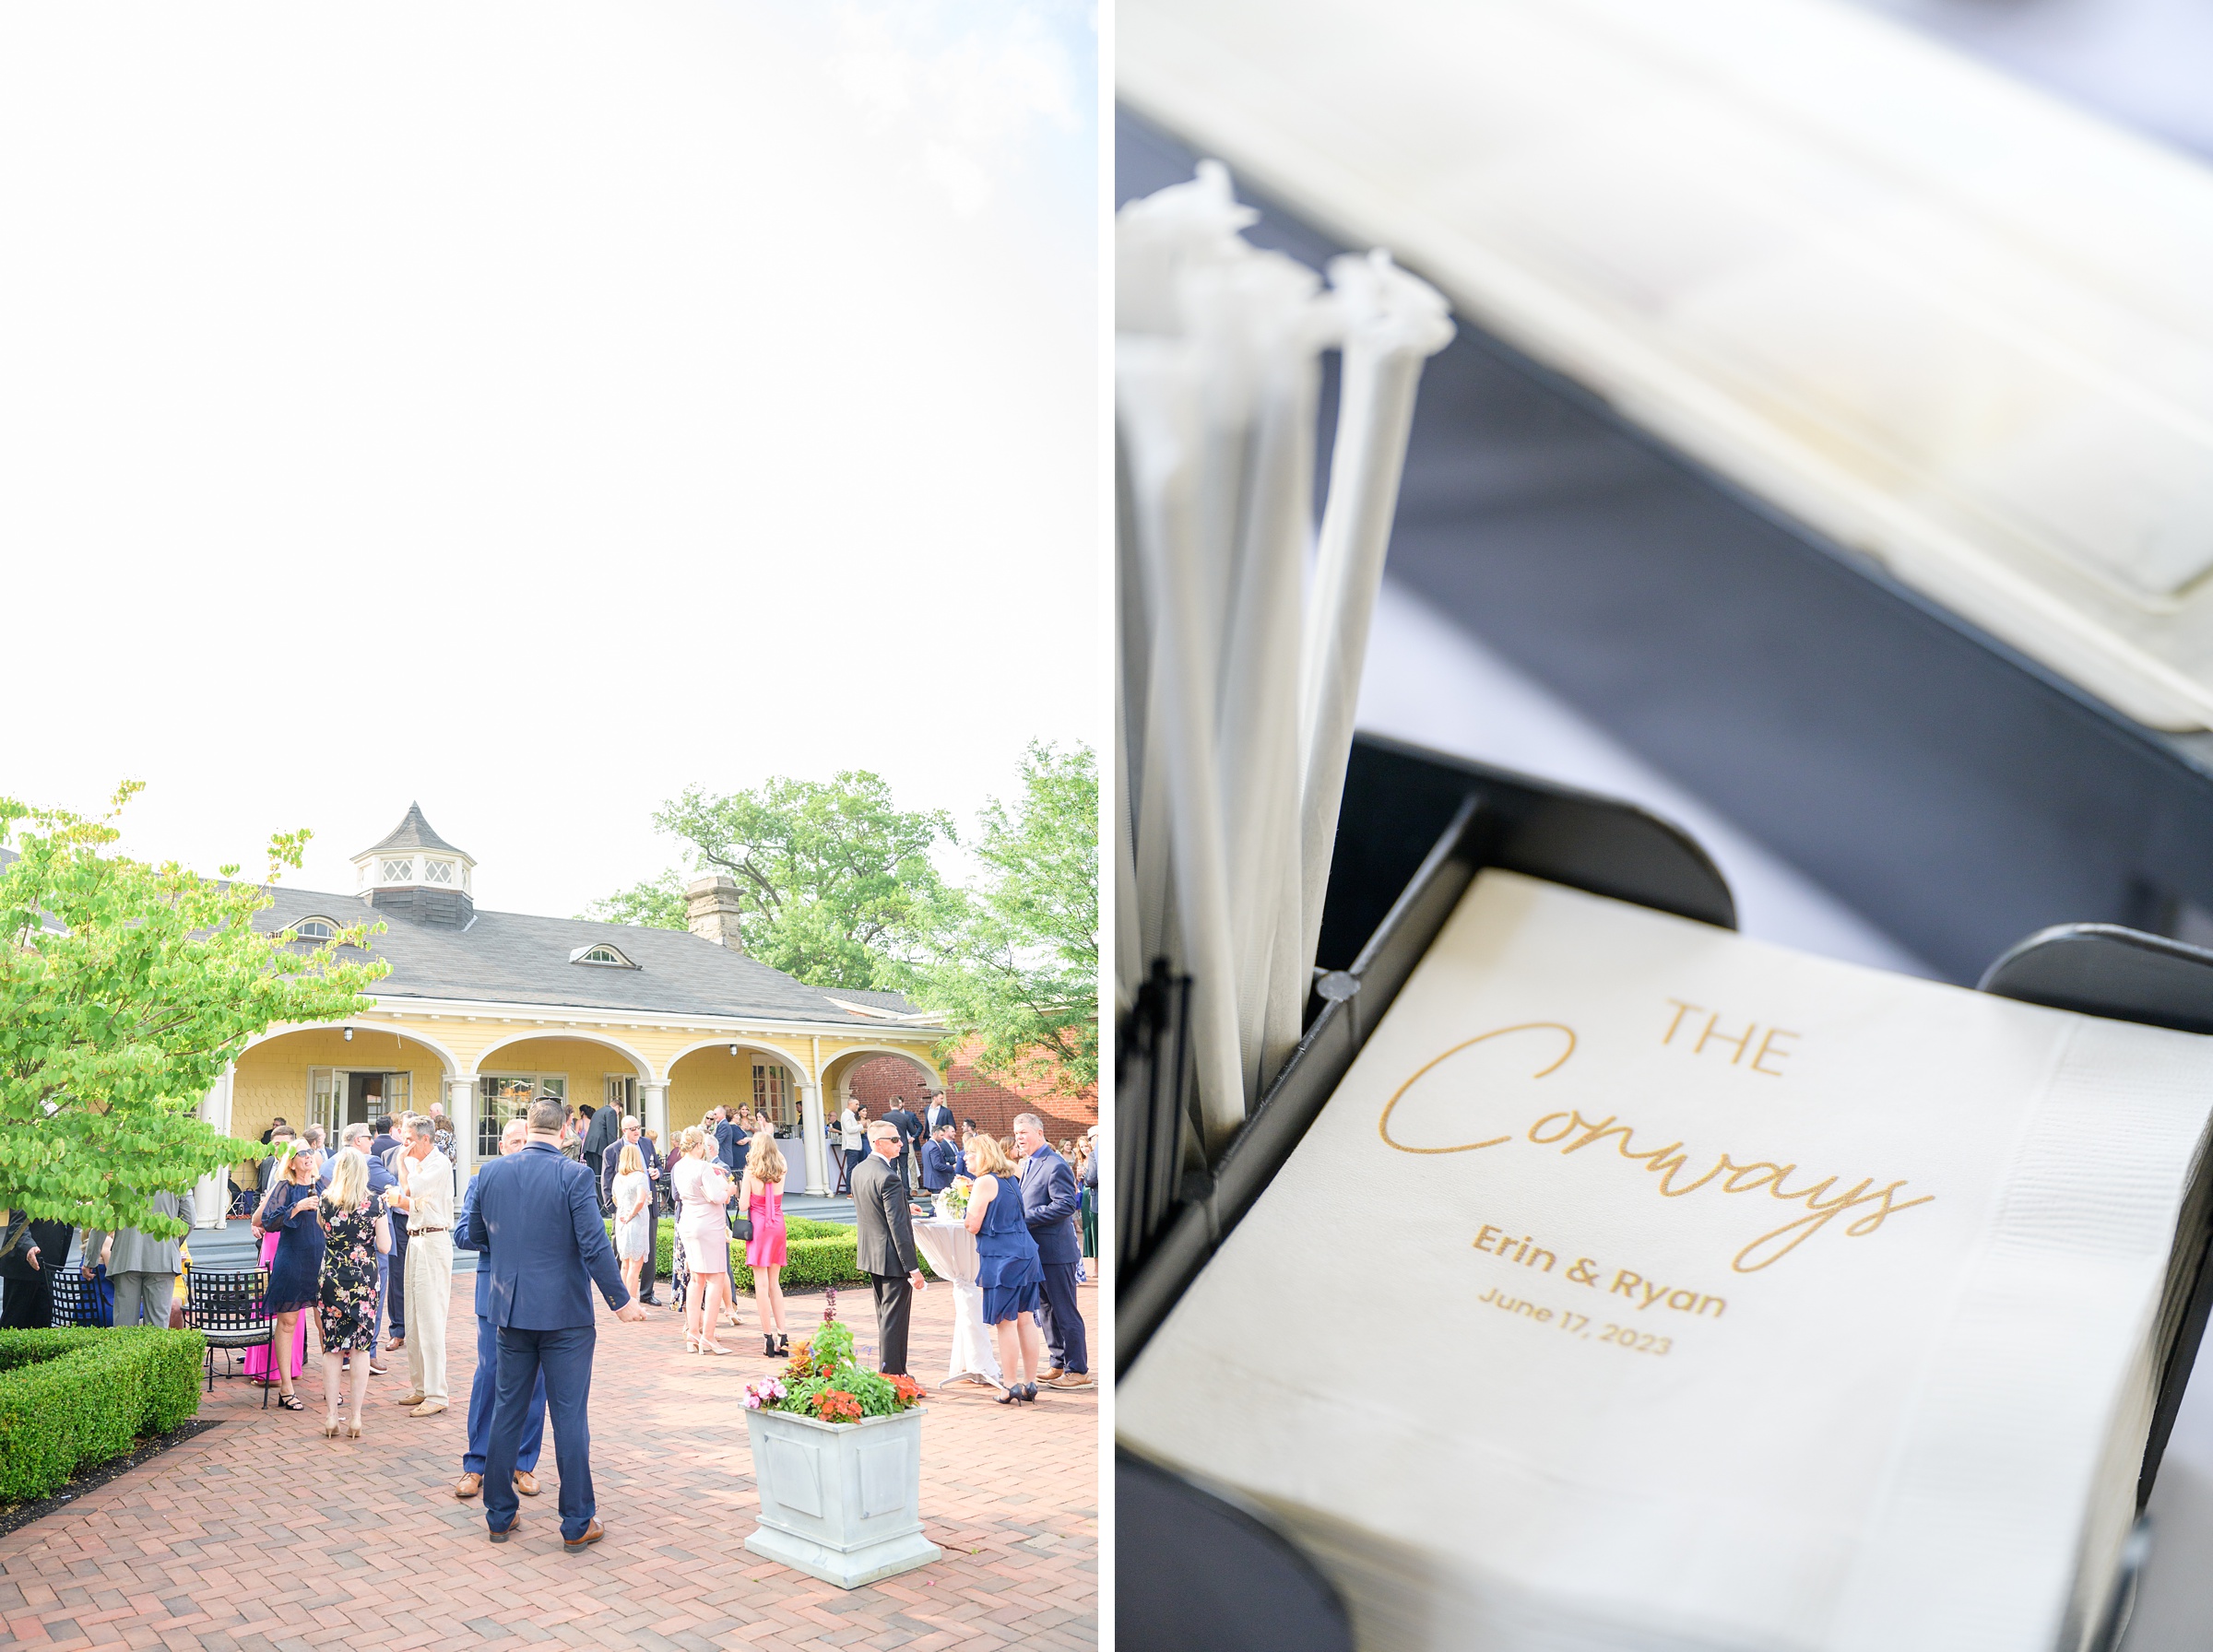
(633, 1218)
(704, 1192)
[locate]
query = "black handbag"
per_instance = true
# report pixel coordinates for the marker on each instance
(741, 1227)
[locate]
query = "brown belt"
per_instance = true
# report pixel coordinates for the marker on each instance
(412, 1232)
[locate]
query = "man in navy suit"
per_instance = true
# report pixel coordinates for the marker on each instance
(942, 1160)
(731, 1143)
(1049, 1203)
(936, 1115)
(484, 1387)
(536, 1216)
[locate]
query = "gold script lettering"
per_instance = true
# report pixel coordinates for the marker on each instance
(1383, 1124)
(1570, 1132)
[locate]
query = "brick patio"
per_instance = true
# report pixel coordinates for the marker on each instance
(262, 1535)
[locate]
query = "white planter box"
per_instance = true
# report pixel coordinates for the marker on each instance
(840, 1500)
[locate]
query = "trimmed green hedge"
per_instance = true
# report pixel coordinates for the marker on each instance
(72, 1399)
(816, 1254)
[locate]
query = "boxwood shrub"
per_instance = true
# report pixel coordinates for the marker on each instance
(72, 1398)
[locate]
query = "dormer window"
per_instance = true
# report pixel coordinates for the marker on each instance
(316, 929)
(601, 954)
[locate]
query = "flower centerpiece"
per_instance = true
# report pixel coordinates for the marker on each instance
(953, 1200)
(837, 1460)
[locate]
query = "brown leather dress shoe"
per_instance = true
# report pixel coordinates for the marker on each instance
(1049, 1373)
(592, 1534)
(469, 1485)
(413, 1398)
(514, 1526)
(1071, 1379)
(526, 1482)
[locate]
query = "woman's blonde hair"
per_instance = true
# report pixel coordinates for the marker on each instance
(985, 1157)
(693, 1140)
(764, 1164)
(348, 1188)
(630, 1162)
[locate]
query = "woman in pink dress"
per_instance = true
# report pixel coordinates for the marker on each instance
(261, 1365)
(763, 1191)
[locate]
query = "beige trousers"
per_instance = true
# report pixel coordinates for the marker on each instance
(430, 1293)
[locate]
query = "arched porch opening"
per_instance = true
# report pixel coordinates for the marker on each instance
(585, 1070)
(334, 1076)
(742, 1075)
(878, 1076)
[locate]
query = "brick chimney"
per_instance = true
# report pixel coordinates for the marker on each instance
(712, 910)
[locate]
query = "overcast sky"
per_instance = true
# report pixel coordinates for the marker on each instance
(531, 409)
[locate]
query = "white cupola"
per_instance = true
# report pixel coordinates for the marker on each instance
(414, 873)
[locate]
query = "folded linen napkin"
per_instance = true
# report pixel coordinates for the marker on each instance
(1645, 1286)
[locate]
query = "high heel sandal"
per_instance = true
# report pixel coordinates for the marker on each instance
(690, 1343)
(1029, 1392)
(768, 1348)
(711, 1346)
(1011, 1396)
(290, 1402)
(783, 1345)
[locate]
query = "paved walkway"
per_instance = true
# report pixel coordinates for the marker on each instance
(261, 1536)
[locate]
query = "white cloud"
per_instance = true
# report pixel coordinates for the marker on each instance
(969, 85)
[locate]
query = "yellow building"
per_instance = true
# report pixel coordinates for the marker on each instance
(482, 1010)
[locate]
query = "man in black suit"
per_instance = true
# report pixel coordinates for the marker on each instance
(602, 1133)
(1049, 1203)
(886, 1244)
(633, 1135)
(909, 1125)
(32, 1253)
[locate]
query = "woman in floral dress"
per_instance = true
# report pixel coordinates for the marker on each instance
(354, 1236)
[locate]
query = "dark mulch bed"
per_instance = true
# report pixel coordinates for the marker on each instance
(15, 1515)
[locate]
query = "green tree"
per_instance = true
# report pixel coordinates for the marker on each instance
(124, 990)
(837, 884)
(1018, 966)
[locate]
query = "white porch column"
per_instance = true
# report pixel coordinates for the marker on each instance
(211, 1193)
(811, 1129)
(654, 1101)
(461, 1107)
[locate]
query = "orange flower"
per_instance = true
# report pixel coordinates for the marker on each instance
(835, 1405)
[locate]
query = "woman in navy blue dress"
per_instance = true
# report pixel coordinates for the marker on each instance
(1006, 1266)
(296, 1272)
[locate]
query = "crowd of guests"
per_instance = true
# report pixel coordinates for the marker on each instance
(358, 1238)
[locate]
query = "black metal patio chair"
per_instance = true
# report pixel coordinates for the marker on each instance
(231, 1309)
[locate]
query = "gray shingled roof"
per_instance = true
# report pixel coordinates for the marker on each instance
(413, 832)
(509, 957)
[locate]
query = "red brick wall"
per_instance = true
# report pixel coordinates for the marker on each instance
(992, 1104)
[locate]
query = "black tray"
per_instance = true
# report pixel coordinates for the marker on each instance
(1197, 1567)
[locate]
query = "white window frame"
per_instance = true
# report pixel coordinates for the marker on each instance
(618, 961)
